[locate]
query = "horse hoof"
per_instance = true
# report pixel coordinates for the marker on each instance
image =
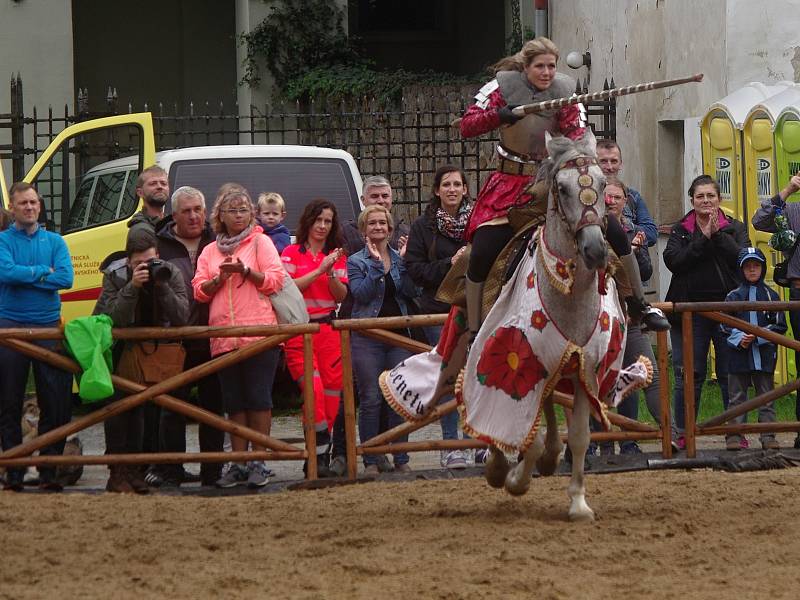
(497, 469)
(582, 517)
(517, 487)
(547, 465)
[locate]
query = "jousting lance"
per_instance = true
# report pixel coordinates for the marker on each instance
(527, 109)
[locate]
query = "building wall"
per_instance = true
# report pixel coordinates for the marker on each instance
(36, 41)
(171, 52)
(731, 41)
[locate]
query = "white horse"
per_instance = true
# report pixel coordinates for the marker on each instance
(550, 325)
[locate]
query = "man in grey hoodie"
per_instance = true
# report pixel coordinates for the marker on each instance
(152, 186)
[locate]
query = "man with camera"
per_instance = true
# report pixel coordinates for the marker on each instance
(138, 291)
(181, 239)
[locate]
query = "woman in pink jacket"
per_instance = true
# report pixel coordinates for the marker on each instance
(235, 275)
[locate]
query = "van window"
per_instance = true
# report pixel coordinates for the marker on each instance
(102, 199)
(298, 179)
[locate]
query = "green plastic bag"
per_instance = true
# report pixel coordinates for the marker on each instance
(89, 341)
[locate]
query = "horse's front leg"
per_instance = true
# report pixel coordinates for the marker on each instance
(519, 478)
(497, 468)
(578, 438)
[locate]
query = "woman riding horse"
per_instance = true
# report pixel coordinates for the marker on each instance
(524, 78)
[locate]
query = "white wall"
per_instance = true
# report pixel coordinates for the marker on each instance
(731, 41)
(44, 57)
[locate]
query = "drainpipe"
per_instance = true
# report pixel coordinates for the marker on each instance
(540, 18)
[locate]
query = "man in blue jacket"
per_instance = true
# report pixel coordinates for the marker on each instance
(609, 157)
(34, 265)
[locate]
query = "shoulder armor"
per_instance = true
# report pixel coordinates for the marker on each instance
(482, 97)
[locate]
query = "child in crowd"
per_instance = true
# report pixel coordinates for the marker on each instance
(271, 213)
(752, 359)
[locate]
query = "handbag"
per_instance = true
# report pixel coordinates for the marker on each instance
(289, 304)
(158, 361)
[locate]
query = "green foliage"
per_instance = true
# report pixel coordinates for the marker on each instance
(357, 80)
(297, 35)
(304, 46)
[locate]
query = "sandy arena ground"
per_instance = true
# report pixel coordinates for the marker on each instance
(673, 534)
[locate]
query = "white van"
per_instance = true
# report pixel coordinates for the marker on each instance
(92, 199)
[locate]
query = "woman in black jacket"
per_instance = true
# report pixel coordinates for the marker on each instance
(701, 253)
(435, 242)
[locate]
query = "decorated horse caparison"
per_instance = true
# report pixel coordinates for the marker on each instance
(558, 324)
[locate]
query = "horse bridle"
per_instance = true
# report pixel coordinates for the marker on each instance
(587, 195)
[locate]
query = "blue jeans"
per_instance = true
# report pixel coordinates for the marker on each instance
(370, 359)
(448, 422)
(704, 332)
(794, 320)
(53, 394)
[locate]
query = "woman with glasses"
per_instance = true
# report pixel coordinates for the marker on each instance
(318, 266)
(235, 275)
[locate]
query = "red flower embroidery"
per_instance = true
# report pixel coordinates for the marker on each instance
(454, 327)
(561, 269)
(605, 321)
(539, 320)
(531, 280)
(508, 363)
(614, 345)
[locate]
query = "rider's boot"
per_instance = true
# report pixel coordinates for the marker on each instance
(639, 309)
(473, 290)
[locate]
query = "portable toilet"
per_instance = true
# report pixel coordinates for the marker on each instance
(762, 181)
(787, 144)
(722, 142)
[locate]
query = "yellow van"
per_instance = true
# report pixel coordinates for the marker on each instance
(89, 198)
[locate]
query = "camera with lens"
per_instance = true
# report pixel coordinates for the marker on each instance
(158, 270)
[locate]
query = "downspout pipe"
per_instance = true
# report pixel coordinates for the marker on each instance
(540, 22)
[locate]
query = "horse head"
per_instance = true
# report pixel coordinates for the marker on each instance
(576, 185)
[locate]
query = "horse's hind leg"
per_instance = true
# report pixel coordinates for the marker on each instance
(497, 468)
(548, 461)
(578, 437)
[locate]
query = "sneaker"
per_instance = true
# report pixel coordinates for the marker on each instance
(797, 441)
(371, 470)
(189, 477)
(630, 448)
(481, 455)
(153, 477)
(744, 444)
(606, 449)
(402, 468)
(339, 466)
(15, 480)
(733, 444)
(384, 466)
(770, 444)
(455, 460)
(235, 475)
(679, 444)
(258, 474)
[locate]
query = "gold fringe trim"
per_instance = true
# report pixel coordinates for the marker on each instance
(390, 399)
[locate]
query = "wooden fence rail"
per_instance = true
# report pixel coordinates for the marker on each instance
(21, 339)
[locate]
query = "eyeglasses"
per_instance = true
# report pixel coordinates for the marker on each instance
(237, 211)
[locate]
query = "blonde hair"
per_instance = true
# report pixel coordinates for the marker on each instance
(225, 196)
(530, 50)
(362, 218)
(267, 199)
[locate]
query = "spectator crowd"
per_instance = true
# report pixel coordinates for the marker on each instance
(188, 267)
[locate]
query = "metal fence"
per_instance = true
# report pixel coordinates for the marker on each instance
(406, 140)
